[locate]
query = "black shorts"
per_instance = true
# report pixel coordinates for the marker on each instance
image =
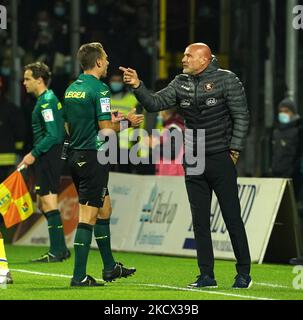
(89, 176)
(48, 169)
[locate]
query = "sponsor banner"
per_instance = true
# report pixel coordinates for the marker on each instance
(151, 214)
(36, 233)
(162, 222)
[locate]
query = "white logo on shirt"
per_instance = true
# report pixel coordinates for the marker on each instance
(48, 115)
(211, 102)
(105, 104)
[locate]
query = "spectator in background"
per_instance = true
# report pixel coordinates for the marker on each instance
(124, 101)
(287, 150)
(171, 153)
(287, 146)
(61, 27)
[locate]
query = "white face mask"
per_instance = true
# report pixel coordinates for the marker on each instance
(92, 9)
(284, 117)
(59, 11)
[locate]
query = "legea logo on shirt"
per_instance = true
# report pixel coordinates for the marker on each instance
(48, 115)
(105, 104)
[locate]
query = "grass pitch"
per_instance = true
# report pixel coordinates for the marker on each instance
(157, 278)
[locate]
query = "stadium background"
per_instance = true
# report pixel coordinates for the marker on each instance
(250, 37)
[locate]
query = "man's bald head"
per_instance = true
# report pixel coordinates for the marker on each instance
(197, 57)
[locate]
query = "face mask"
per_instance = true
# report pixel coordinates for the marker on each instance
(59, 11)
(5, 71)
(43, 24)
(92, 9)
(284, 118)
(116, 86)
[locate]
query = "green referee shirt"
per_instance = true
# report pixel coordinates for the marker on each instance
(86, 101)
(47, 123)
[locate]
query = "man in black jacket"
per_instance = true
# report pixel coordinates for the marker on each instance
(212, 99)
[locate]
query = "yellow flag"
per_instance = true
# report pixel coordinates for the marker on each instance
(15, 201)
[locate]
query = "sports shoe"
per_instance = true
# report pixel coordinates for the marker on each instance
(66, 254)
(119, 271)
(9, 279)
(242, 281)
(296, 261)
(88, 281)
(204, 281)
(49, 257)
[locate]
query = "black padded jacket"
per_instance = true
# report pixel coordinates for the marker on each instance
(213, 100)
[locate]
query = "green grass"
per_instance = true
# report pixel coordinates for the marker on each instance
(157, 277)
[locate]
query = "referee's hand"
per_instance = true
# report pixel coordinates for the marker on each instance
(135, 119)
(28, 160)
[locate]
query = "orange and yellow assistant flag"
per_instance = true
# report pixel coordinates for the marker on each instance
(15, 201)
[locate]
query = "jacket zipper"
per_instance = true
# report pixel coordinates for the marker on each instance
(196, 82)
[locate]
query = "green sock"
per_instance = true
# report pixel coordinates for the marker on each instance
(102, 236)
(82, 243)
(56, 232)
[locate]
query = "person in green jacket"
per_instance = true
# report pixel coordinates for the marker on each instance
(48, 134)
(87, 111)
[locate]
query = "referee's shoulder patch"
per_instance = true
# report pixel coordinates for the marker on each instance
(105, 104)
(47, 115)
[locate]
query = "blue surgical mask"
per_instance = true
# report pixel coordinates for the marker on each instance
(5, 71)
(59, 11)
(283, 118)
(116, 86)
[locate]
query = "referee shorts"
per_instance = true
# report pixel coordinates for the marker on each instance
(48, 168)
(89, 176)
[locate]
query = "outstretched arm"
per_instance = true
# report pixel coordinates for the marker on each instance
(164, 99)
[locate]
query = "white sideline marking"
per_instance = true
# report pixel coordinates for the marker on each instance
(271, 285)
(149, 285)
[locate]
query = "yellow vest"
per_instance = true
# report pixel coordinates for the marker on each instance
(126, 104)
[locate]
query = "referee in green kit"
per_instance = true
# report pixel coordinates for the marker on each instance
(86, 111)
(48, 133)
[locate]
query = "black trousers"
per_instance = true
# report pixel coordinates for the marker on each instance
(220, 176)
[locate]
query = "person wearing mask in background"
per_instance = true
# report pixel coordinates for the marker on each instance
(124, 101)
(287, 150)
(171, 149)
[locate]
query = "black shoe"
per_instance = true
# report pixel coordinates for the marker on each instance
(119, 271)
(66, 255)
(88, 281)
(204, 281)
(242, 281)
(49, 257)
(296, 261)
(9, 279)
